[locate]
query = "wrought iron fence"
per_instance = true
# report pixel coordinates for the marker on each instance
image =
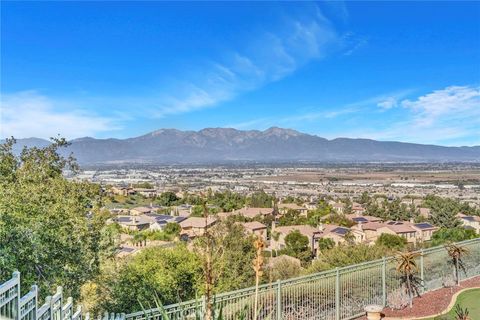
(336, 294)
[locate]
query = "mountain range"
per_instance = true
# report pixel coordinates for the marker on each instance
(218, 145)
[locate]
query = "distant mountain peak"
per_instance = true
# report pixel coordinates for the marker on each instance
(215, 145)
(281, 131)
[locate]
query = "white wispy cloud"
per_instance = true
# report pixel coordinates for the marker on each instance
(31, 114)
(454, 103)
(388, 103)
(269, 56)
(323, 113)
(445, 116)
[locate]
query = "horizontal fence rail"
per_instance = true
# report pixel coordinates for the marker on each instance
(337, 294)
(15, 307)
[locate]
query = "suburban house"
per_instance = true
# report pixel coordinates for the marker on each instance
(408, 230)
(196, 226)
(159, 221)
(277, 241)
(142, 210)
(369, 230)
(256, 228)
(151, 221)
(133, 223)
(357, 208)
(148, 193)
(310, 205)
(122, 191)
(337, 206)
(338, 233)
(359, 218)
(284, 207)
(251, 213)
(424, 231)
(184, 210)
(470, 222)
(400, 228)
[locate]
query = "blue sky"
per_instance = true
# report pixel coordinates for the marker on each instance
(405, 71)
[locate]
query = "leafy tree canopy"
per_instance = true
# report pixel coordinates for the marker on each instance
(260, 199)
(343, 255)
(173, 274)
(168, 199)
(51, 229)
(391, 241)
(297, 245)
(445, 235)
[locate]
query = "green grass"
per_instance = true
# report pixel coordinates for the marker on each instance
(469, 299)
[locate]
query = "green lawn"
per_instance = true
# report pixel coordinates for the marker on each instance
(468, 299)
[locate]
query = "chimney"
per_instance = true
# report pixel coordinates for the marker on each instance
(273, 226)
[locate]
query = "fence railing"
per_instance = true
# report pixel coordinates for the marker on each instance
(336, 294)
(14, 306)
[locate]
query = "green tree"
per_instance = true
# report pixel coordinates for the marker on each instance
(365, 198)
(445, 235)
(171, 273)
(172, 228)
(391, 241)
(260, 199)
(297, 245)
(339, 219)
(341, 256)
(443, 211)
(325, 244)
(227, 200)
(233, 253)
(292, 217)
(168, 199)
(315, 216)
(51, 229)
(144, 185)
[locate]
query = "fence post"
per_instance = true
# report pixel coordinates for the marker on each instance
(384, 281)
(279, 299)
(16, 310)
(337, 294)
(422, 271)
(204, 305)
(35, 289)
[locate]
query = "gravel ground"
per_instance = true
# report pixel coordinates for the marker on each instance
(430, 303)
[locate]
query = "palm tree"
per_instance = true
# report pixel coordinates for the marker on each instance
(456, 253)
(407, 267)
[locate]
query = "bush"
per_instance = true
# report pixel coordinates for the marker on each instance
(391, 241)
(449, 282)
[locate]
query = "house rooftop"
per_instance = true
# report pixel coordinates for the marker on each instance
(303, 229)
(254, 225)
(197, 222)
(424, 226)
